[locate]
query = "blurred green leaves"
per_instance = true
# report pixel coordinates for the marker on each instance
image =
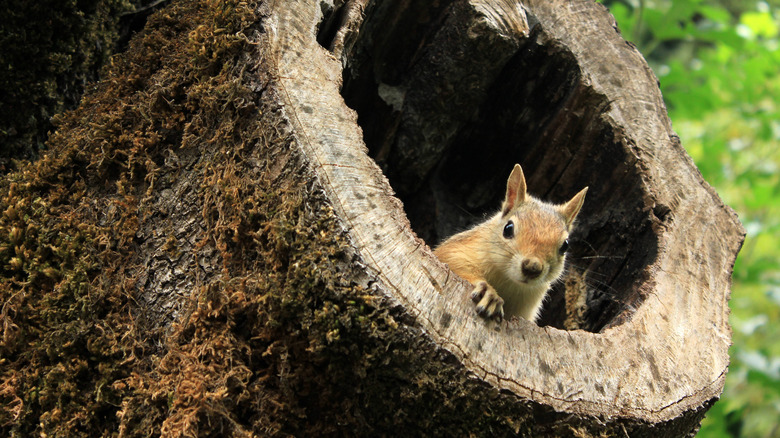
(718, 63)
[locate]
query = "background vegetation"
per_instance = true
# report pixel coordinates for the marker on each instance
(718, 63)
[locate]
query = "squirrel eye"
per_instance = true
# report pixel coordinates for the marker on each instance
(564, 247)
(509, 230)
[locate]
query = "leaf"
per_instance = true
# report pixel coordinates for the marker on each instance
(760, 23)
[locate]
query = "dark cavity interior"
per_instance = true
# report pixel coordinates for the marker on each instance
(447, 108)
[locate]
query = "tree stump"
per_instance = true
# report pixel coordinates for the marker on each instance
(213, 245)
(446, 97)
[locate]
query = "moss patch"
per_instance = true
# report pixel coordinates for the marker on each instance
(68, 222)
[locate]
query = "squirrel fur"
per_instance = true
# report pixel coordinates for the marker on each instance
(513, 257)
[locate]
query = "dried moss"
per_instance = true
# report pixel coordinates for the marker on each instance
(68, 224)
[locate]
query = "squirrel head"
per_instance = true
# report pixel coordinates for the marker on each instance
(533, 233)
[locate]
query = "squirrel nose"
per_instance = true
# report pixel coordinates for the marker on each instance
(531, 268)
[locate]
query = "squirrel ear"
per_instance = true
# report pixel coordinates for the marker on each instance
(570, 209)
(515, 190)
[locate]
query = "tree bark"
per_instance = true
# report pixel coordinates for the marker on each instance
(231, 236)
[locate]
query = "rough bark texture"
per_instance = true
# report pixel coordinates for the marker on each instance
(211, 249)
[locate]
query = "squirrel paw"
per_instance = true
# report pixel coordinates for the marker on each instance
(489, 304)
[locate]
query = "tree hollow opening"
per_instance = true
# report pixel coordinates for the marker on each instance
(449, 99)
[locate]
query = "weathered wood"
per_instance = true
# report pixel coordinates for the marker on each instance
(561, 92)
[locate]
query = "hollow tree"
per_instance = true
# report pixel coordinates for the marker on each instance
(271, 218)
(449, 95)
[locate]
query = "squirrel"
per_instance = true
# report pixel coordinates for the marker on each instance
(513, 257)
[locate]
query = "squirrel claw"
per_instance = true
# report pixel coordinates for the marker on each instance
(489, 304)
(479, 292)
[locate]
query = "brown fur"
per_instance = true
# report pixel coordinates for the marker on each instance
(494, 264)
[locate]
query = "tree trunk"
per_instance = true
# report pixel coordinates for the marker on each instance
(243, 267)
(449, 95)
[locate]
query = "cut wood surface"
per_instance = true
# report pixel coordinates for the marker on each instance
(662, 237)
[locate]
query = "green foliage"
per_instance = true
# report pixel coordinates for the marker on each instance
(718, 63)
